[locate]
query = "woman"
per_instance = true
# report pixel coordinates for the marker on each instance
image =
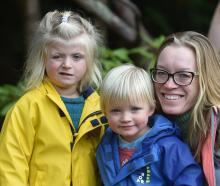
(187, 84)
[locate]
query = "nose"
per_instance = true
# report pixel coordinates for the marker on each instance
(67, 63)
(125, 117)
(170, 83)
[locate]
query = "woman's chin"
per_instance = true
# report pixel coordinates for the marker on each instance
(172, 110)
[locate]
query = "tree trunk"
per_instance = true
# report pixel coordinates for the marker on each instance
(124, 21)
(32, 16)
(214, 31)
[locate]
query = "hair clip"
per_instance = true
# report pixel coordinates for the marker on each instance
(64, 19)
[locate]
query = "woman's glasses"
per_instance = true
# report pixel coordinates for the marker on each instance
(182, 78)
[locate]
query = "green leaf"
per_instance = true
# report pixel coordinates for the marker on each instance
(9, 94)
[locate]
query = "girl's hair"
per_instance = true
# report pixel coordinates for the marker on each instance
(56, 26)
(126, 84)
(208, 67)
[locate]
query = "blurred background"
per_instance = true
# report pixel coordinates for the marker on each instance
(133, 31)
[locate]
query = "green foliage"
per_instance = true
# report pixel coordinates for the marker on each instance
(156, 42)
(9, 94)
(116, 57)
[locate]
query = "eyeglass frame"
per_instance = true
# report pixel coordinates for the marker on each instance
(172, 75)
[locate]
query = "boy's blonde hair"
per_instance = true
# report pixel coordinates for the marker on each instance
(126, 84)
(63, 26)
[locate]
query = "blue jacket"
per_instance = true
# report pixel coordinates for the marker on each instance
(161, 160)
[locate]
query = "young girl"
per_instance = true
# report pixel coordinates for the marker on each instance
(50, 135)
(139, 148)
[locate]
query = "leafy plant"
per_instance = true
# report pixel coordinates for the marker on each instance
(119, 56)
(9, 94)
(114, 57)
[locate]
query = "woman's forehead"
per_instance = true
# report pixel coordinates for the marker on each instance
(177, 56)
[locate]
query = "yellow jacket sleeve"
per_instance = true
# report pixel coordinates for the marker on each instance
(16, 142)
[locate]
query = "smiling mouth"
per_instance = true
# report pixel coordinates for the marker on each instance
(172, 97)
(126, 126)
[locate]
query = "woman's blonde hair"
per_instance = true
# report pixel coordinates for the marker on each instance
(208, 68)
(126, 84)
(57, 26)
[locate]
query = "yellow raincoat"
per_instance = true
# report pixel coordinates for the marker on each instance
(39, 145)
